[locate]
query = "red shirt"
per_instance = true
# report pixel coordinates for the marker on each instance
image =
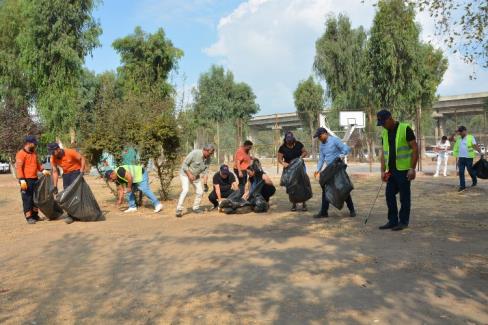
(26, 164)
(69, 162)
(243, 157)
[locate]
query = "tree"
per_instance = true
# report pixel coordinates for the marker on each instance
(56, 37)
(147, 60)
(136, 106)
(462, 24)
(16, 96)
(309, 102)
(218, 99)
(393, 57)
(339, 60)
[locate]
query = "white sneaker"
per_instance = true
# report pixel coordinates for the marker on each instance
(158, 208)
(445, 175)
(436, 175)
(130, 210)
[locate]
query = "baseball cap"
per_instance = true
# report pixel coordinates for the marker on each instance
(51, 147)
(107, 173)
(461, 128)
(319, 132)
(30, 139)
(289, 137)
(382, 116)
(224, 169)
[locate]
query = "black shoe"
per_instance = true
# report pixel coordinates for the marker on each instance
(198, 211)
(36, 217)
(69, 220)
(30, 221)
(474, 184)
(400, 227)
(461, 189)
(304, 207)
(179, 213)
(294, 207)
(352, 214)
(387, 226)
(319, 216)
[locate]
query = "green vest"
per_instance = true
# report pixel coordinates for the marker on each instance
(134, 170)
(403, 150)
(469, 144)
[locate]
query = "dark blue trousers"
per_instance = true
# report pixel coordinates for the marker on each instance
(398, 183)
(324, 210)
(68, 179)
(466, 163)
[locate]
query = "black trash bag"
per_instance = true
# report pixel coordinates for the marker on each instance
(44, 199)
(235, 204)
(336, 183)
(259, 204)
(78, 201)
(297, 182)
(481, 168)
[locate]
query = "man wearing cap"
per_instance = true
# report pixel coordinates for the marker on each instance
(398, 161)
(331, 148)
(242, 160)
(463, 150)
(71, 162)
(291, 149)
(132, 177)
(195, 165)
(27, 165)
(224, 183)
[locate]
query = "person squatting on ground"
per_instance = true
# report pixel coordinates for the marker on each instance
(27, 165)
(463, 150)
(242, 160)
(331, 148)
(194, 166)
(256, 175)
(289, 150)
(398, 161)
(224, 183)
(130, 178)
(442, 149)
(71, 162)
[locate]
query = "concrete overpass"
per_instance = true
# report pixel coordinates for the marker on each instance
(446, 107)
(450, 107)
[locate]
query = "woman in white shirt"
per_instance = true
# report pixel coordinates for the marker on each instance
(442, 150)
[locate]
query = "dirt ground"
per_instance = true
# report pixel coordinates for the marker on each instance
(277, 268)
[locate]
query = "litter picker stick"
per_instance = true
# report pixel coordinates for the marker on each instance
(374, 202)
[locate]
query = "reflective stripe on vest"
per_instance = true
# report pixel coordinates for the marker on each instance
(469, 145)
(134, 170)
(403, 150)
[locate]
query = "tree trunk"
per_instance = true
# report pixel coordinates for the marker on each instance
(310, 124)
(419, 135)
(218, 143)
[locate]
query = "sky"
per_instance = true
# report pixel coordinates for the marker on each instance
(269, 44)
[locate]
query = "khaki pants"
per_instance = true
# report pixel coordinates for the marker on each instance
(185, 185)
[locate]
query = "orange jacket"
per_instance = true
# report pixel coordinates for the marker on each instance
(69, 162)
(27, 165)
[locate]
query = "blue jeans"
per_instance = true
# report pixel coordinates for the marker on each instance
(143, 186)
(398, 183)
(69, 178)
(466, 163)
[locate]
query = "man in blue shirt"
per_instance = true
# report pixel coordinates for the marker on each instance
(331, 148)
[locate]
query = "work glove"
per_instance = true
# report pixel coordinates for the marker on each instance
(23, 185)
(205, 187)
(46, 172)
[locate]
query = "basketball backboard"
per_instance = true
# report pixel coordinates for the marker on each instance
(350, 118)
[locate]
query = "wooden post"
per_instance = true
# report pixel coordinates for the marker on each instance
(419, 135)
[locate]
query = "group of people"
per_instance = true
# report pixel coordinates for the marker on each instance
(399, 156)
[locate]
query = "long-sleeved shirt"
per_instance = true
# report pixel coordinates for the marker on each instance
(331, 150)
(196, 163)
(27, 164)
